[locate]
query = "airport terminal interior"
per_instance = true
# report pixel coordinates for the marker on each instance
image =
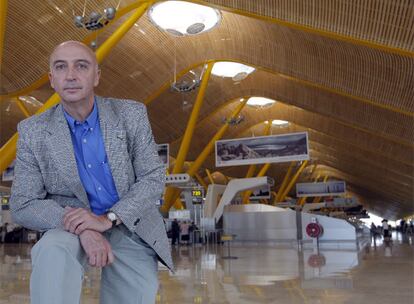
(286, 129)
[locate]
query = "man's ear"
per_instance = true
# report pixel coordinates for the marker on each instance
(51, 79)
(97, 77)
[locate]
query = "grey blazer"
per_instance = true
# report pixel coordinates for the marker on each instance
(47, 179)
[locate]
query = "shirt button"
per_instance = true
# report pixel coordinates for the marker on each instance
(99, 188)
(84, 141)
(91, 129)
(89, 166)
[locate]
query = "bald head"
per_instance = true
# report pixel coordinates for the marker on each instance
(74, 73)
(72, 44)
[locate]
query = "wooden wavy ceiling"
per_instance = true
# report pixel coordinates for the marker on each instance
(341, 70)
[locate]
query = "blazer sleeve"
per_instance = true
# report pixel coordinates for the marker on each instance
(28, 204)
(140, 201)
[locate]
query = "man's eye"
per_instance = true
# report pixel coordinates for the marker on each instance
(59, 67)
(82, 66)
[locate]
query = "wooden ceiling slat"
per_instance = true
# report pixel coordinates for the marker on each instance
(340, 73)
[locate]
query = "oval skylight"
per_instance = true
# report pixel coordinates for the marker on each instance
(181, 18)
(231, 69)
(278, 122)
(260, 102)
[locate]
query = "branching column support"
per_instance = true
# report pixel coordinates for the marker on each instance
(252, 168)
(210, 177)
(203, 155)
(22, 107)
(318, 198)
(284, 182)
(192, 121)
(261, 173)
(302, 200)
(293, 181)
(189, 131)
(201, 181)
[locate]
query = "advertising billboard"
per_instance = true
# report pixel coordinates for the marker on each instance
(262, 149)
(261, 193)
(320, 189)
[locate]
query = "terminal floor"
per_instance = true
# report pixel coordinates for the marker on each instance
(380, 274)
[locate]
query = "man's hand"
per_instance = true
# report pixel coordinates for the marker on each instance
(77, 220)
(97, 248)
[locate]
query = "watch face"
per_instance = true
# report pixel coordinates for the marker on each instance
(111, 216)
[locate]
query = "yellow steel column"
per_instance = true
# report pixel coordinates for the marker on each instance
(302, 200)
(313, 170)
(292, 182)
(261, 173)
(210, 146)
(267, 128)
(203, 155)
(250, 171)
(188, 135)
(8, 151)
(201, 181)
(189, 131)
(317, 199)
(178, 204)
(210, 178)
(284, 182)
(252, 168)
(113, 40)
(3, 16)
(22, 107)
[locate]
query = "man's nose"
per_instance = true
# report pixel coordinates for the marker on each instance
(71, 73)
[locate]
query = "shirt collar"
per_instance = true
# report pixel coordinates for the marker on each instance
(90, 120)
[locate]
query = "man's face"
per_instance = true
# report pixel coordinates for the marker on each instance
(73, 73)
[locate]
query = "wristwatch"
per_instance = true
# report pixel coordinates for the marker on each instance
(112, 217)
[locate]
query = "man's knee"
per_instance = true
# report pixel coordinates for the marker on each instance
(57, 268)
(58, 242)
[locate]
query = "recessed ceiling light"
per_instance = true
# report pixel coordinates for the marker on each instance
(181, 18)
(231, 69)
(278, 122)
(260, 102)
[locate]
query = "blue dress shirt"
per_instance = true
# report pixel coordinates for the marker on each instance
(92, 162)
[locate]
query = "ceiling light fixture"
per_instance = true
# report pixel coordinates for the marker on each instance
(180, 18)
(233, 121)
(95, 20)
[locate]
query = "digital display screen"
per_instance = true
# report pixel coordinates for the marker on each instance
(197, 193)
(5, 203)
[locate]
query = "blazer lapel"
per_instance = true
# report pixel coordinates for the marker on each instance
(60, 146)
(115, 144)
